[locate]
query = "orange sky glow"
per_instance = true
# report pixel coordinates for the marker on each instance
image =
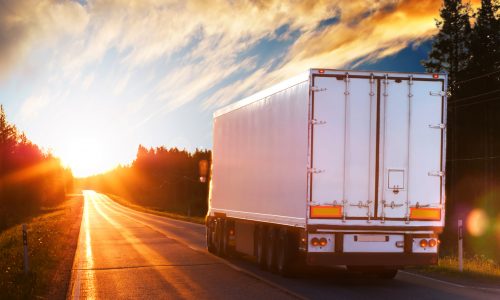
(91, 80)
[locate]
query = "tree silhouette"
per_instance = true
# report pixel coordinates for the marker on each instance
(160, 178)
(451, 47)
(29, 178)
(471, 56)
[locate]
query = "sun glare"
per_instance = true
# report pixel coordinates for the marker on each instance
(86, 156)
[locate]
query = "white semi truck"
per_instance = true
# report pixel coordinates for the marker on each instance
(332, 167)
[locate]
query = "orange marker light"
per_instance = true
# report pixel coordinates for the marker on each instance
(425, 213)
(326, 212)
(321, 71)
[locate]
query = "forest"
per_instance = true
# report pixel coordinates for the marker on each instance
(159, 178)
(30, 179)
(467, 48)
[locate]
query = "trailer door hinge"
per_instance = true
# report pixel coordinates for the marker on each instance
(315, 171)
(437, 126)
(440, 93)
(317, 89)
(317, 122)
(436, 173)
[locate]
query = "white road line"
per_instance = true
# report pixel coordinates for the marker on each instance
(451, 283)
(204, 251)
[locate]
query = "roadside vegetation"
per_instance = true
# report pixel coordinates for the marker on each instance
(467, 48)
(127, 203)
(477, 270)
(52, 241)
(29, 177)
(161, 179)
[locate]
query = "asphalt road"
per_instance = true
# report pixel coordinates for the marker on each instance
(125, 254)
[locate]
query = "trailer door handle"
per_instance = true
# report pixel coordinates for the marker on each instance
(437, 126)
(440, 93)
(315, 171)
(317, 122)
(436, 173)
(317, 89)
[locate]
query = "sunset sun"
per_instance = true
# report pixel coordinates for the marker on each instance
(83, 156)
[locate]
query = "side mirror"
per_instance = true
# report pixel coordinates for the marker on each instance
(203, 170)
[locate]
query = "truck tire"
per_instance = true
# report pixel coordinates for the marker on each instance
(260, 240)
(219, 236)
(271, 249)
(226, 251)
(284, 253)
(210, 242)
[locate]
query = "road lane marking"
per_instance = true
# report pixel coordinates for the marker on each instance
(149, 266)
(202, 250)
(84, 244)
(451, 283)
(183, 284)
(157, 218)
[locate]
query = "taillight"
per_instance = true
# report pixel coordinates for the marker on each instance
(423, 243)
(323, 242)
(432, 243)
(315, 242)
(435, 76)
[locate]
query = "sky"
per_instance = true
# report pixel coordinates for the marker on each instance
(91, 80)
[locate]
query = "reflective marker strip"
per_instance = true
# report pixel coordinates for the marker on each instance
(425, 213)
(326, 211)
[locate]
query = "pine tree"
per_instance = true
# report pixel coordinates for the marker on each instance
(450, 50)
(485, 51)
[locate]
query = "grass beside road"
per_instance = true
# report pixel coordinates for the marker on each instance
(127, 203)
(52, 241)
(477, 270)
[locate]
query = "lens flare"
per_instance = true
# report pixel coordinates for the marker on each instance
(477, 222)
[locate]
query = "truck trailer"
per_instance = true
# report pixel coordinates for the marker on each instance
(332, 168)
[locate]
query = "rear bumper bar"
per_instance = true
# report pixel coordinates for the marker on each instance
(371, 259)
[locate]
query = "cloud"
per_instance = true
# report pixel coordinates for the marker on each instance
(367, 31)
(199, 50)
(26, 24)
(87, 81)
(32, 105)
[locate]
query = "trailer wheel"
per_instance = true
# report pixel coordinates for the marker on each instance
(210, 236)
(284, 253)
(219, 236)
(260, 239)
(225, 238)
(271, 249)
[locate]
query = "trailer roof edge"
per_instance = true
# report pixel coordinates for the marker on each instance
(304, 76)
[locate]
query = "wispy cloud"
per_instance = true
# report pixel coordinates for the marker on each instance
(153, 57)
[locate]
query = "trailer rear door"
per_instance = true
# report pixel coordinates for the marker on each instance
(410, 146)
(356, 118)
(343, 151)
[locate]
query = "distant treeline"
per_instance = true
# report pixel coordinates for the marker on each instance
(160, 178)
(467, 47)
(29, 177)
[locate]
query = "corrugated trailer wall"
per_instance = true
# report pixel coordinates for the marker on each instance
(263, 158)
